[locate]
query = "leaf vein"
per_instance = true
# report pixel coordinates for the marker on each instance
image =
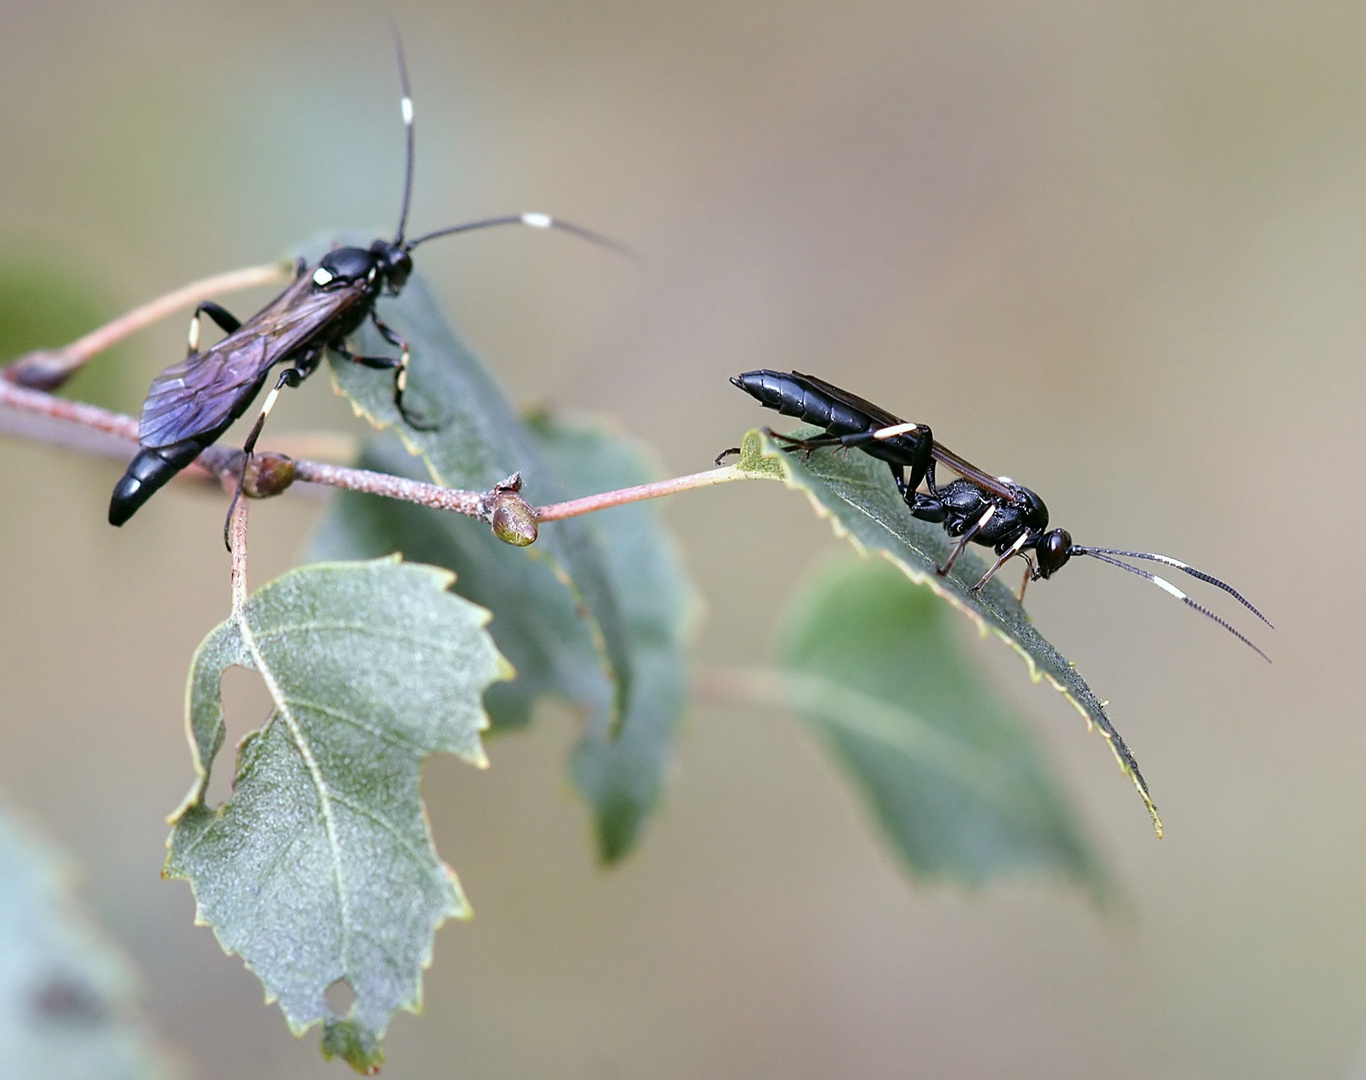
(325, 795)
(394, 737)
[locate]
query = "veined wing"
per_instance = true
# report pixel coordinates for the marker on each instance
(941, 453)
(969, 471)
(208, 389)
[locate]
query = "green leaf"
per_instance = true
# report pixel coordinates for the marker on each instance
(321, 866)
(536, 623)
(67, 998)
(956, 782)
(478, 442)
(855, 493)
(623, 776)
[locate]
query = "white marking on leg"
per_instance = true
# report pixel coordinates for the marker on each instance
(895, 430)
(194, 334)
(270, 402)
(406, 106)
(538, 221)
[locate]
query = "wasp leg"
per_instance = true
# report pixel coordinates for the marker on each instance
(972, 530)
(1031, 574)
(291, 377)
(390, 335)
(1005, 556)
(397, 364)
(882, 434)
(807, 445)
(226, 320)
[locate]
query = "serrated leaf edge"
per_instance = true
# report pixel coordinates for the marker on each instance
(460, 907)
(757, 447)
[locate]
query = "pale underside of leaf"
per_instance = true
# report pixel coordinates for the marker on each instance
(535, 621)
(321, 866)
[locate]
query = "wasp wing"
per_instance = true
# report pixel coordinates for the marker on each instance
(210, 389)
(883, 418)
(968, 471)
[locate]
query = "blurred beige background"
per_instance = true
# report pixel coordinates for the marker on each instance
(1116, 250)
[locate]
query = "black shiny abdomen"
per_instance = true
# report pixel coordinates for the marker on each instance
(147, 473)
(792, 394)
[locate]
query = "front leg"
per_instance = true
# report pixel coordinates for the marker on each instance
(1009, 553)
(398, 365)
(964, 540)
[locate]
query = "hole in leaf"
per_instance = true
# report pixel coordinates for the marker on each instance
(246, 706)
(340, 997)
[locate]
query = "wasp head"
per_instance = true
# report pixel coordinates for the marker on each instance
(1054, 548)
(395, 264)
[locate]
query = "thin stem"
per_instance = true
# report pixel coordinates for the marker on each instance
(49, 368)
(76, 412)
(76, 417)
(660, 488)
(469, 503)
(513, 520)
(237, 537)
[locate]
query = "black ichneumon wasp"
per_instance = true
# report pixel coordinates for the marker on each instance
(975, 508)
(193, 402)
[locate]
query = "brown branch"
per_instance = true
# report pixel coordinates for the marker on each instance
(592, 503)
(513, 520)
(237, 545)
(47, 369)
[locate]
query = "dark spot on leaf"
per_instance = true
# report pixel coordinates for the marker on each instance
(65, 999)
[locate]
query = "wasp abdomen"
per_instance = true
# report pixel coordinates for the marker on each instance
(147, 473)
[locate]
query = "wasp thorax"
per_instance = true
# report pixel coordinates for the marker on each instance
(1032, 508)
(343, 265)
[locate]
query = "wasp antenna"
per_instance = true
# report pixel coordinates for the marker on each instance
(1167, 586)
(535, 221)
(406, 107)
(1167, 560)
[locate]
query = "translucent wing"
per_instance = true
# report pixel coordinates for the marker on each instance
(969, 471)
(209, 389)
(942, 453)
